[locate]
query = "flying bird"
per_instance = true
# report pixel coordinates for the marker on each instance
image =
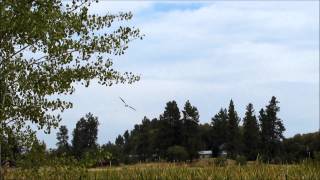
(189, 118)
(126, 105)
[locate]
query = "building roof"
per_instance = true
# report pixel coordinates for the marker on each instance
(207, 152)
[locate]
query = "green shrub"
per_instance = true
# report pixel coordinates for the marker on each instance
(35, 157)
(241, 160)
(317, 156)
(177, 153)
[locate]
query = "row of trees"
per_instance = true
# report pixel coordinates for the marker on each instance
(83, 149)
(40, 58)
(256, 136)
(178, 135)
(174, 136)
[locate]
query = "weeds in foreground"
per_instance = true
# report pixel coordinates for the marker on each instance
(304, 170)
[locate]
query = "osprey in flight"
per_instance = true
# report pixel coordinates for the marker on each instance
(189, 118)
(126, 105)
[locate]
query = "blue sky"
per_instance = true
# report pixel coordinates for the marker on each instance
(209, 53)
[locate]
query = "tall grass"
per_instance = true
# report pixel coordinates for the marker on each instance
(306, 170)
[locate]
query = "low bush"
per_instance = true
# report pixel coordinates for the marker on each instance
(177, 153)
(241, 160)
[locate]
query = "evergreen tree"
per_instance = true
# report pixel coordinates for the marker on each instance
(85, 135)
(126, 146)
(172, 116)
(219, 135)
(141, 140)
(153, 134)
(251, 136)
(171, 112)
(233, 144)
(205, 133)
(126, 137)
(119, 145)
(62, 137)
(265, 133)
(119, 141)
(271, 130)
(170, 127)
(190, 130)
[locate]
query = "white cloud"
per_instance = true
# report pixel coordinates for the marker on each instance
(245, 51)
(218, 38)
(103, 7)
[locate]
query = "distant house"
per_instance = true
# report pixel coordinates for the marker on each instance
(222, 149)
(223, 153)
(205, 154)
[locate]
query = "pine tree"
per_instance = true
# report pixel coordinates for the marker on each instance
(170, 127)
(127, 146)
(141, 139)
(205, 133)
(119, 146)
(219, 136)
(271, 130)
(62, 137)
(85, 135)
(119, 141)
(265, 133)
(190, 130)
(126, 136)
(233, 144)
(251, 136)
(172, 115)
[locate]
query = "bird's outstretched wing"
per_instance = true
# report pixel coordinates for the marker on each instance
(187, 115)
(132, 108)
(189, 118)
(122, 100)
(126, 105)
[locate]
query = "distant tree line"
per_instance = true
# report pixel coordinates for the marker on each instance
(178, 136)
(179, 133)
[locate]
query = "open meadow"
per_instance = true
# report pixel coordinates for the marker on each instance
(177, 171)
(159, 90)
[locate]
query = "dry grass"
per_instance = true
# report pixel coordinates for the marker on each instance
(204, 169)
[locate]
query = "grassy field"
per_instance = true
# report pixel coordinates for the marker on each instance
(198, 170)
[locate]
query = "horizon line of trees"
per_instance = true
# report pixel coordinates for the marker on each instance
(177, 135)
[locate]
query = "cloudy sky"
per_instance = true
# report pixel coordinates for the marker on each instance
(209, 53)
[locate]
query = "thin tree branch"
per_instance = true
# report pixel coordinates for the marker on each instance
(77, 6)
(37, 61)
(4, 59)
(19, 51)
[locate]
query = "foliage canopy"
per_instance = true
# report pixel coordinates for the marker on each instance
(46, 48)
